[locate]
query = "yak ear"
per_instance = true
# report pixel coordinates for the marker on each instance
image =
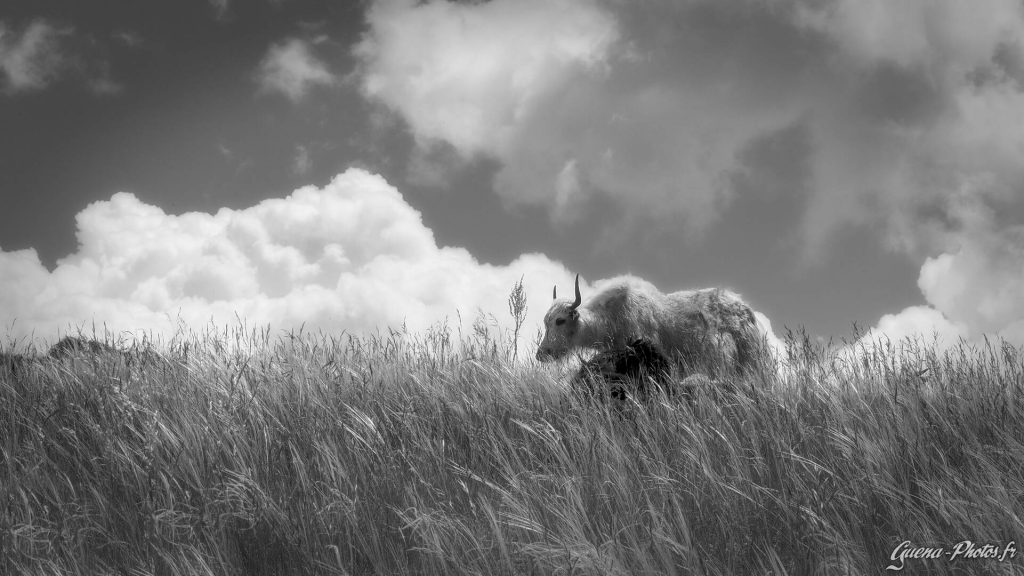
(574, 314)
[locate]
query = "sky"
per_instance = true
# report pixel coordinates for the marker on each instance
(358, 165)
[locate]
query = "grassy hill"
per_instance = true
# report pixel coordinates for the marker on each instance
(241, 453)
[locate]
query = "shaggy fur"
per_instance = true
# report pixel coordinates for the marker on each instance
(703, 330)
(625, 371)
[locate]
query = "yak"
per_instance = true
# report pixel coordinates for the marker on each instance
(71, 346)
(703, 331)
(624, 372)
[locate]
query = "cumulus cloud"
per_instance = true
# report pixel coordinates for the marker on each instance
(912, 111)
(291, 68)
(979, 284)
(945, 158)
(33, 59)
(575, 98)
(468, 73)
(352, 256)
(922, 324)
(934, 115)
(973, 288)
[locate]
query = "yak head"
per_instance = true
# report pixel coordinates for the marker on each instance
(560, 326)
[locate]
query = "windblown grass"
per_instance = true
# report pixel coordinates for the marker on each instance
(243, 453)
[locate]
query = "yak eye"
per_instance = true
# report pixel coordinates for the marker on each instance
(559, 321)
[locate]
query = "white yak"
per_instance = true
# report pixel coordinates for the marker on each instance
(700, 329)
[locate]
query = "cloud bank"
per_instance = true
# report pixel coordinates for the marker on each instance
(913, 113)
(352, 256)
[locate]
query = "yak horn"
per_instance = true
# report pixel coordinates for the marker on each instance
(579, 299)
(554, 292)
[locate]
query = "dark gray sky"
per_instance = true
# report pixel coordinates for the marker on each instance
(833, 162)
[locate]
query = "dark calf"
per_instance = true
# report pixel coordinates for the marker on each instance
(70, 346)
(624, 372)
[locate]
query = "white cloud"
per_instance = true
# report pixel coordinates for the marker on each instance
(947, 35)
(33, 59)
(981, 284)
(291, 68)
(974, 289)
(469, 74)
(935, 109)
(572, 98)
(921, 323)
(349, 256)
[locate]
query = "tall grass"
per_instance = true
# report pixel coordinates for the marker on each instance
(240, 452)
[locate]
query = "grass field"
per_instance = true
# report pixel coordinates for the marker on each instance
(247, 453)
